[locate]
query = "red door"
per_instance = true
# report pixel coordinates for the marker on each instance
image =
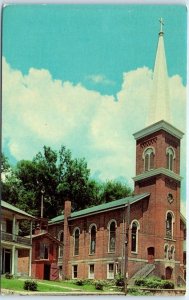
(168, 273)
(151, 252)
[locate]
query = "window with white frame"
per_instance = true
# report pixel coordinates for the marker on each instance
(134, 236)
(169, 225)
(172, 252)
(110, 271)
(61, 239)
(74, 271)
(170, 153)
(76, 241)
(112, 236)
(91, 271)
(92, 231)
(148, 157)
(166, 251)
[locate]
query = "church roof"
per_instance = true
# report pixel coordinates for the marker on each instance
(101, 208)
(161, 125)
(159, 105)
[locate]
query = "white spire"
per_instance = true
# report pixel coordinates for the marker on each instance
(159, 104)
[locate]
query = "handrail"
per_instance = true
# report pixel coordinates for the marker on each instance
(5, 236)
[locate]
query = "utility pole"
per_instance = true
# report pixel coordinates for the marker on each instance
(127, 224)
(42, 204)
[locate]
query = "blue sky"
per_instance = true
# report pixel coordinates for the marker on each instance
(81, 76)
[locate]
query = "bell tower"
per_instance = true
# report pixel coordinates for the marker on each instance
(158, 172)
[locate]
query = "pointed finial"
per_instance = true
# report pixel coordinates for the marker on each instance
(161, 26)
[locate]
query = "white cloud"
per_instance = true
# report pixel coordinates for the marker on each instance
(100, 79)
(38, 110)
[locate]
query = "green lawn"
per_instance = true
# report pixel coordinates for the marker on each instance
(51, 286)
(18, 285)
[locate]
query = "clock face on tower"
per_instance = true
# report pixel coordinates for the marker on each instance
(170, 198)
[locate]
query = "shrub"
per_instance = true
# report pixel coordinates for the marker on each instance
(99, 285)
(80, 282)
(166, 284)
(140, 282)
(30, 285)
(138, 292)
(8, 276)
(154, 283)
(119, 280)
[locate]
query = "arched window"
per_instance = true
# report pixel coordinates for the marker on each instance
(76, 241)
(134, 236)
(148, 157)
(172, 252)
(112, 236)
(61, 239)
(166, 250)
(170, 153)
(92, 231)
(169, 225)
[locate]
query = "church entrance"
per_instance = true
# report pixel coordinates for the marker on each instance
(168, 273)
(151, 252)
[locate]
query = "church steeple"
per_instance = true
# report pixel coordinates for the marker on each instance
(159, 102)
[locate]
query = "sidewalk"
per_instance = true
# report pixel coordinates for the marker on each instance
(80, 293)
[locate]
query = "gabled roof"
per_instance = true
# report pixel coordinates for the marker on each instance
(46, 234)
(101, 208)
(14, 209)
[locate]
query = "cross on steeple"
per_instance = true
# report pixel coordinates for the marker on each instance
(161, 25)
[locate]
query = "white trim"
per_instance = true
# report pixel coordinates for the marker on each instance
(108, 227)
(76, 228)
(166, 256)
(173, 253)
(172, 213)
(171, 148)
(13, 261)
(110, 275)
(149, 156)
(90, 227)
(105, 260)
(73, 271)
(91, 275)
(157, 171)
(109, 223)
(30, 262)
(138, 228)
(173, 221)
(168, 153)
(156, 127)
(60, 247)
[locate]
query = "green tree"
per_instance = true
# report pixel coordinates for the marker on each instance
(5, 166)
(113, 190)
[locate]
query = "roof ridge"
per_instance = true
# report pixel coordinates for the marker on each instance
(99, 208)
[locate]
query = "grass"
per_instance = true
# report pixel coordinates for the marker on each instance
(51, 286)
(18, 285)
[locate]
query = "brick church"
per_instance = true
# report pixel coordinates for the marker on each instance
(144, 232)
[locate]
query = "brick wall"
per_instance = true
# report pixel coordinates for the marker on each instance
(23, 262)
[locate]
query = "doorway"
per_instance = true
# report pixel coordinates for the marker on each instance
(47, 269)
(168, 273)
(6, 261)
(151, 254)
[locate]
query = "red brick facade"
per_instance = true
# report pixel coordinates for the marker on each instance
(151, 215)
(45, 257)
